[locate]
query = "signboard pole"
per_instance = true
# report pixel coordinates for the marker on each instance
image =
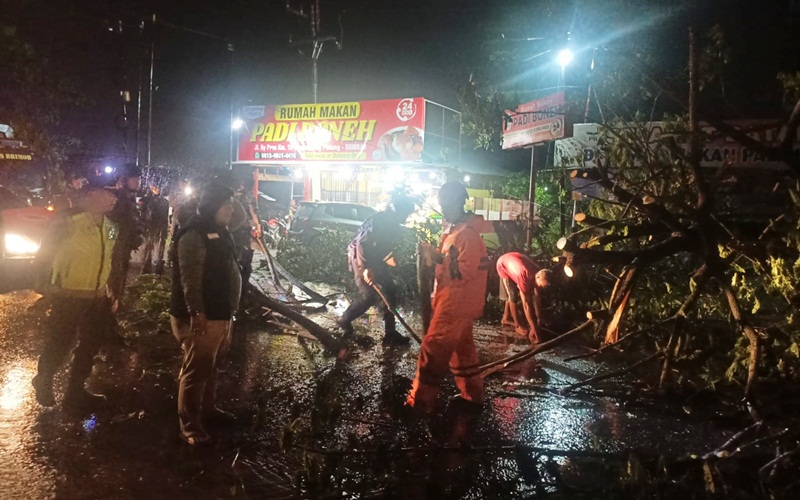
(531, 198)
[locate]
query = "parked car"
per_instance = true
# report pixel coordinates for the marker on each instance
(312, 218)
(23, 228)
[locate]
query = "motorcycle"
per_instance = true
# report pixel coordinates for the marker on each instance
(273, 231)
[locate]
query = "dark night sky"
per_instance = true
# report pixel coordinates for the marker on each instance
(391, 49)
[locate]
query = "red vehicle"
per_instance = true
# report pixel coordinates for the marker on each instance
(22, 228)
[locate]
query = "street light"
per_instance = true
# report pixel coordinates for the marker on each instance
(466, 178)
(237, 123)
(108, 169)
(564, 58)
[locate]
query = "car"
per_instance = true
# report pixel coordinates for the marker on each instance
(23, 228)
(315, 217)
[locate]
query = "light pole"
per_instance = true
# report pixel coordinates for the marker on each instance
(150, 92)
(236, 125)
(563, 58)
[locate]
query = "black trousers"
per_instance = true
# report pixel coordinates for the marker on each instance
(155, 243)
(368, 297)
(90, 321)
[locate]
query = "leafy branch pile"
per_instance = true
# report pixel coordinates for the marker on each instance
(325, 259)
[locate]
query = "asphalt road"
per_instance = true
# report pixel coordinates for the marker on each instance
(130, 448)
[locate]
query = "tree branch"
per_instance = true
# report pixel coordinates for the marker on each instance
(612, 374)
(678, 242)
(482, 370)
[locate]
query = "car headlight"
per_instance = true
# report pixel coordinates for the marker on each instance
(20, 245)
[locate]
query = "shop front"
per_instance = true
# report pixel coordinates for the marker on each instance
(351, 151)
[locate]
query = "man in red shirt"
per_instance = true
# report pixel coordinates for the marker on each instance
(529, 278)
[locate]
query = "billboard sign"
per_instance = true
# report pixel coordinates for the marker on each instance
(536, 122)
(389, 130)
(582, 148)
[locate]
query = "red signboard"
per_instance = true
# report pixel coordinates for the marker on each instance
(390, 130)
(535, 122)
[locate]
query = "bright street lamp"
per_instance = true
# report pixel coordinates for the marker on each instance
(108, 169)
(466, 178)
(564, 58)
(237, 123)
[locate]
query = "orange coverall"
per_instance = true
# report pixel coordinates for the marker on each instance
(457, 301)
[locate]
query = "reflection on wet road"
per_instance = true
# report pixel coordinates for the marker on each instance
(130, 448)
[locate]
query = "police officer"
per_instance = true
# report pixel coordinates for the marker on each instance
(77, 256)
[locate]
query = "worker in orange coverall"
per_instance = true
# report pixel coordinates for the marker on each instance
(458, 299)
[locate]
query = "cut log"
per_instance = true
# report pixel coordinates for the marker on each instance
(597, 315)
(587, 220)
(678, 242)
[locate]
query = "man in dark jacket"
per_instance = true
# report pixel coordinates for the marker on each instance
(127, 217)
(370, 258)
(155, 215)
(206, 287)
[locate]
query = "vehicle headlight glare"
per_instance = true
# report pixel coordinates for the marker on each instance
(20, 245)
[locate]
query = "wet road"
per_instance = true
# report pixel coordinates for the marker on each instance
(130, 448)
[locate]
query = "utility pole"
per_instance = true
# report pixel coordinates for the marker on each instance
(150, 95)
(231, 151)
(139, 111)
(531, 199)
(317, 46)
(316, 41)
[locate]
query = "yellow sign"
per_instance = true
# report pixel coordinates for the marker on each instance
(16, 156)
(339, 110)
